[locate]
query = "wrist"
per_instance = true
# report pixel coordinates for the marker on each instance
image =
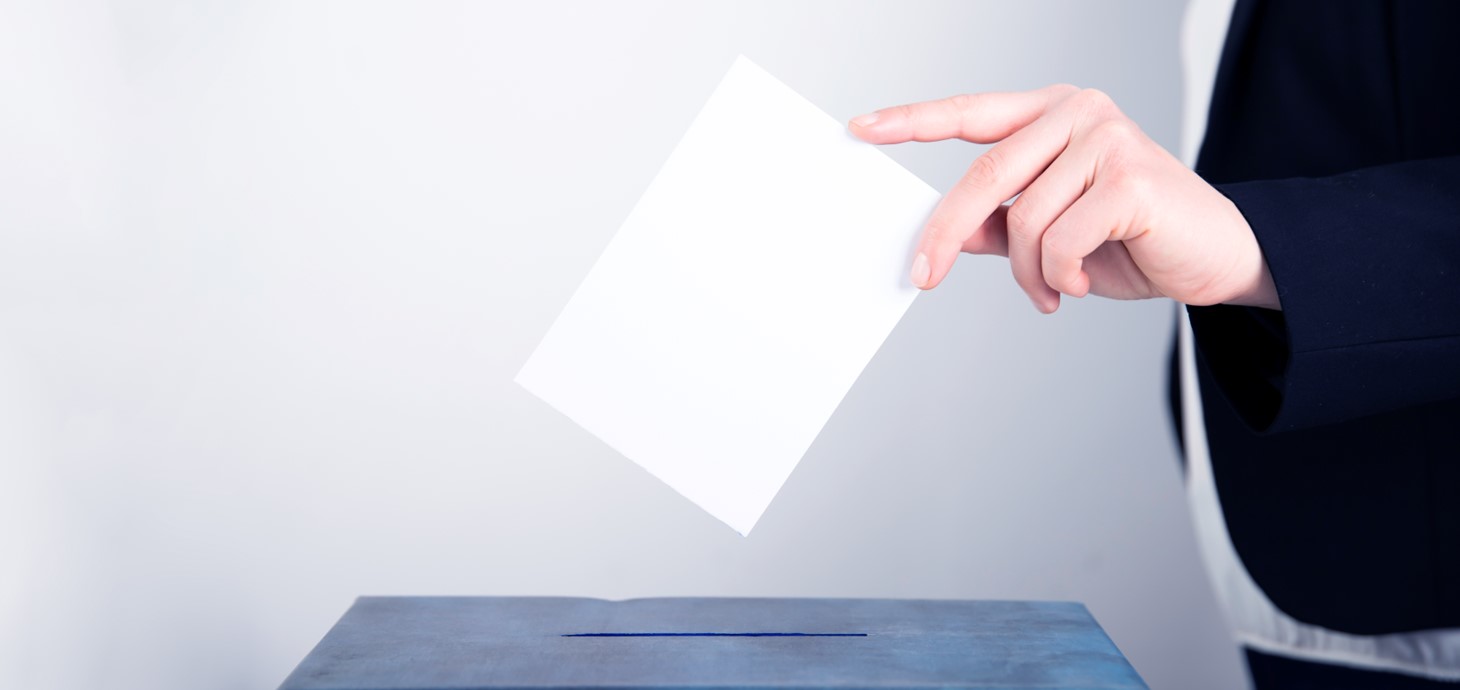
(1254, 283)
(1263, 292)
(1258, 288)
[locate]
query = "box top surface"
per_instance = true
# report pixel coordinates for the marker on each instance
(415, 643)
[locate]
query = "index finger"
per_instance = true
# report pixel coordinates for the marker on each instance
(1000, 173)
(980, 118)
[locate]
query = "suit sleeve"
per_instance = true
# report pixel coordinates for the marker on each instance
(1367, 268)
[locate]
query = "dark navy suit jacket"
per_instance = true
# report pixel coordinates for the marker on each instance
(1334, 425)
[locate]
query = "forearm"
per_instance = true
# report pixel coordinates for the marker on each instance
(1365, 268)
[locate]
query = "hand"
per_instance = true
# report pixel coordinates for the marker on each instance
(1101, 207)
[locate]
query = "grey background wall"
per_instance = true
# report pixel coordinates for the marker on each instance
(267, 270)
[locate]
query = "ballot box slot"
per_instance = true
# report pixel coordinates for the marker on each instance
(713, 634)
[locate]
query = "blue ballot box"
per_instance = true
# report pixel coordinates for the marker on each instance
(477, 643)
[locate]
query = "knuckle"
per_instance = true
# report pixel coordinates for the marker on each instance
(1120, 178)
(964, 102)
(1115, 176)
(1096, 99)
(1055, 246)
(985, 171)
(1018, 220)
(1094, 105)
(937, 231)
(1116, 132)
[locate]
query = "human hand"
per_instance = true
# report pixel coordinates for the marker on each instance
(1101, 208)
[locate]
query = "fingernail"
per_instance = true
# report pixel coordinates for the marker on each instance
(920, 270)
(864, 120)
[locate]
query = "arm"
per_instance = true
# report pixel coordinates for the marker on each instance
(1367, 268)
(1359, 312)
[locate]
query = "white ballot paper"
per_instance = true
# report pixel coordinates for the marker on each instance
(740, 300)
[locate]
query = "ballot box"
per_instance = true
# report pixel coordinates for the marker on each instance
(470, 643)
